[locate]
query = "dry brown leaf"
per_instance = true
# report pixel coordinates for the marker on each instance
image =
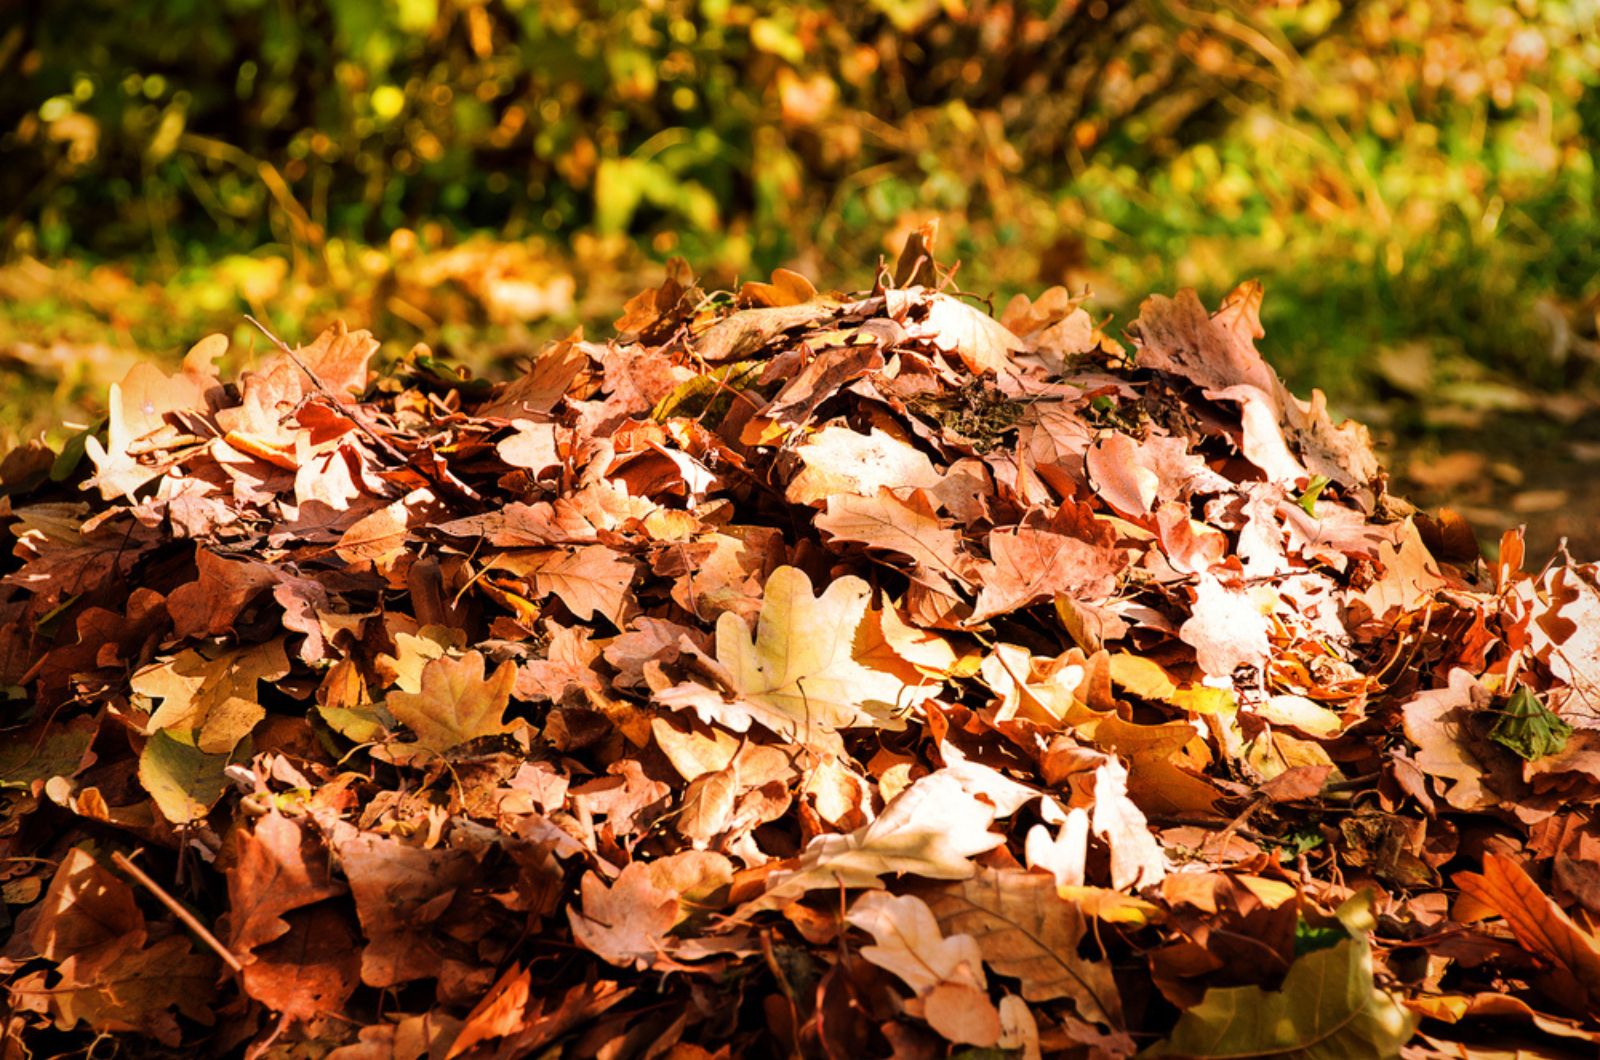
(1026, 930)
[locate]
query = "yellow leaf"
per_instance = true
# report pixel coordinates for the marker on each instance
(1327, 1006)
(455, 704)
(799, 675)
(214, 699)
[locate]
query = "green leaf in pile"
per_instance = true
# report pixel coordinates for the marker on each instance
(1528, 728)
(183, 781)
(1314, 488)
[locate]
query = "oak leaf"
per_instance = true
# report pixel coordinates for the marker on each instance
(1226, 628)
(1030, 566)
(982, 343)
(626, 923)
(214, 698)
(945, 974)
(799, 673)
(839, 460)
(906, 527)
(139, 406)
(931, 829)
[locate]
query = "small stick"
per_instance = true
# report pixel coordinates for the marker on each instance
(190, 921)
(355, 417)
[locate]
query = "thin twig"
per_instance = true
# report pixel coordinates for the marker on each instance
(189, 920)
(378, 440)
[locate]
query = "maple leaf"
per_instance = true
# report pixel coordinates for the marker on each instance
(799, 673)
(455, 704)
(272, 878)
(626, 923)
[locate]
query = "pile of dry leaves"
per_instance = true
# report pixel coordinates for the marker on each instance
(793, 674)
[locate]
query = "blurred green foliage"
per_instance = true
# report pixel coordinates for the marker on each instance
(1394, 169)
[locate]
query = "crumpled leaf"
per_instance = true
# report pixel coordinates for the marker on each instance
(931, 829)
(1529, 728)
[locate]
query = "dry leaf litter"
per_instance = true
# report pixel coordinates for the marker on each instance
(795, 674)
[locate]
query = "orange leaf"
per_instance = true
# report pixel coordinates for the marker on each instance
(1540, 925)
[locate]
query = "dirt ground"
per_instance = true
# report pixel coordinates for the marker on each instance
(1518, 469)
